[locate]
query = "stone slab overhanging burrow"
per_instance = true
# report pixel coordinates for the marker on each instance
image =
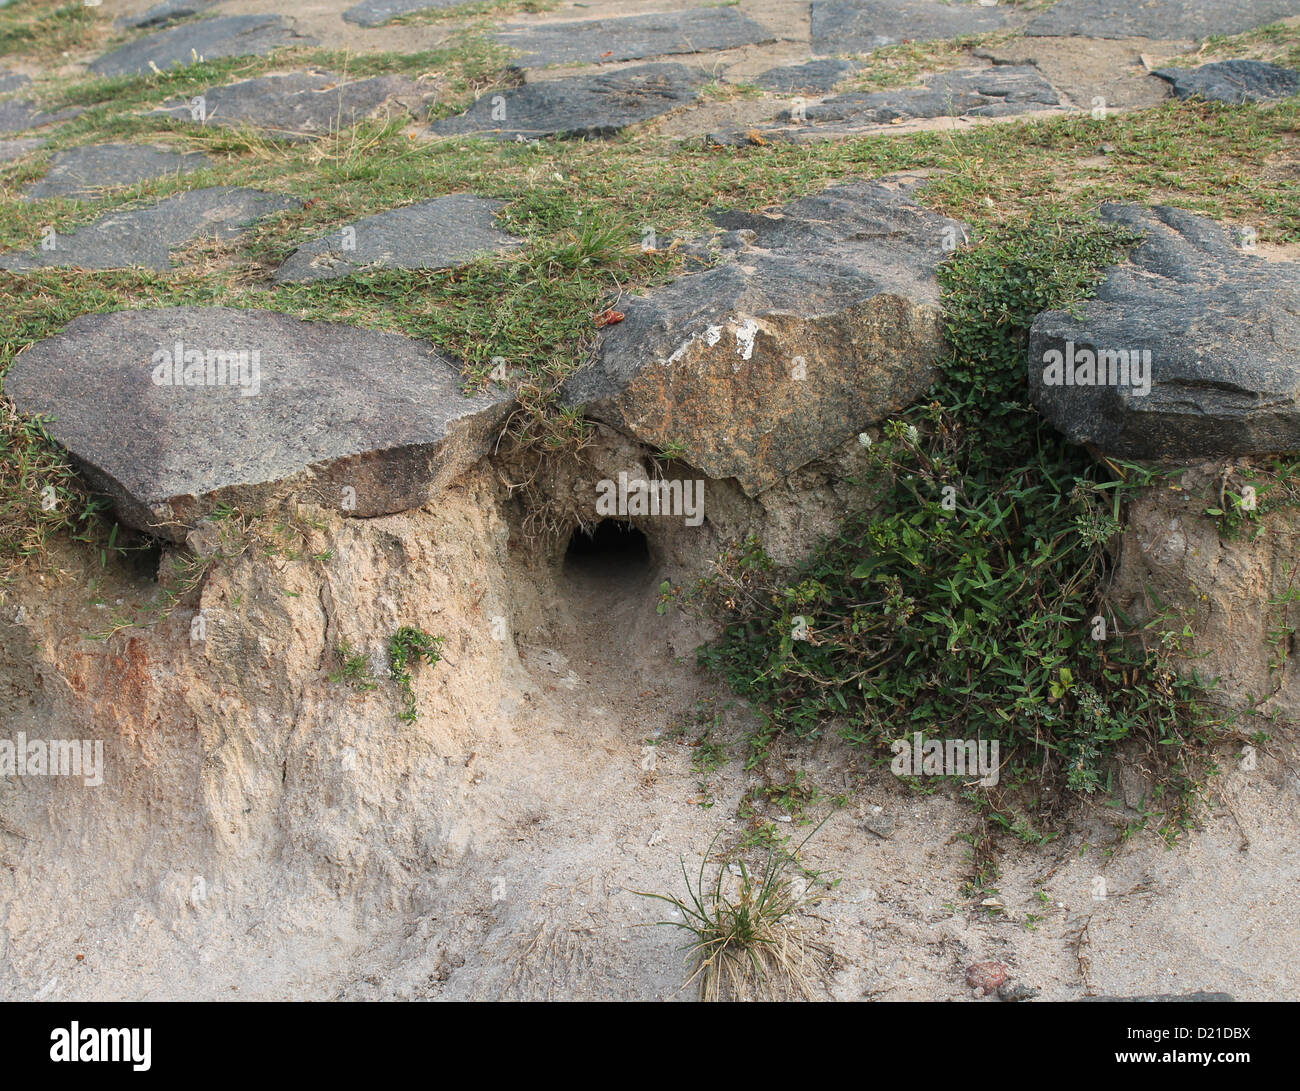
(174, 412)
(821, 320)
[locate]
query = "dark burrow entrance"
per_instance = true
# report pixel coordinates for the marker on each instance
(613, 551)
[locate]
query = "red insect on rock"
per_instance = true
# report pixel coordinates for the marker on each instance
(609, 318)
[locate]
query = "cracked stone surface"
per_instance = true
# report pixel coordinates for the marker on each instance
(443, 233)
(320, 408)
(1161, 19)
(633, 38)
(1234, 82)
(223, 36)
(81, 173)
(859, 26)
(822, 319)
(147, 236)
(593, 106)
(1222, 330)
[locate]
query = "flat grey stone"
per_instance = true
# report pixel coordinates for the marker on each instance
(147, 236)
(18, 116)
(822, 321)
(375, 13)
(1234, 82)
(634, 37)
(320, 409)
(11, 81)
(210, 39)
(594, 106)
(81, 173)
(1222, 332)
(1000, 91)
(16, 149)
(443, 233)
(300, 105)
(859, 26)
(1162, 19)
(164, 14)
(812, 76)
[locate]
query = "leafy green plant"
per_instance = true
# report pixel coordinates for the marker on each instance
(406, 647)
(977, 618)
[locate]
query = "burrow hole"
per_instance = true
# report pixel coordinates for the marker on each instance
(613, 551)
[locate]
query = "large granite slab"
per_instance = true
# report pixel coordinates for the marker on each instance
(174, 412)
(999, 91)
(375, 13)
(821, 319)
(1234, 82)
(1190, 350)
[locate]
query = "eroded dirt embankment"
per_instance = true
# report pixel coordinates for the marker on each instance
(265, 832)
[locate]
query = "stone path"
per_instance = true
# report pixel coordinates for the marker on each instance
(147, 236)
(18, 116)
(444, 233)
(374, 13)
(16, 149)
(1001, 91)
(166, 13)
(84, 172)
(849, 26)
